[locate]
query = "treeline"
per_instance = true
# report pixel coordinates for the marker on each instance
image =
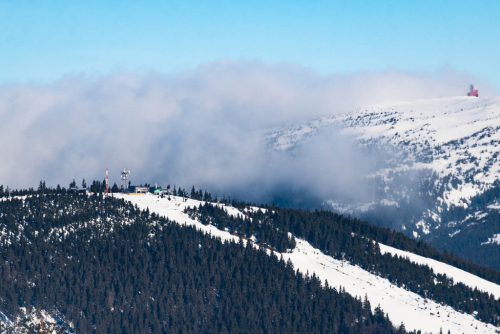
(380, 234)
(352, 240)
(106, 266)
(96, 186)
(465, 247)
(263, 232)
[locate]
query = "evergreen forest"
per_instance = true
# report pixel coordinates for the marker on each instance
(103, 266)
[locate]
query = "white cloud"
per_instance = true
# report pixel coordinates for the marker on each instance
(201, 127)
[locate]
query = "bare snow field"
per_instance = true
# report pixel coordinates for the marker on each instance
(458, 275)
(456, 136)
(401, 305)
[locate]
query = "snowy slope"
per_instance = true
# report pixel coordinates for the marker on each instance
(401, 305)
(457, 138)
(31, 320)
(458, 275)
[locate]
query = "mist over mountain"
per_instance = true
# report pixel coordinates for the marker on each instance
(433, 172)
(262, 133)
(252, 167)
(204, 127)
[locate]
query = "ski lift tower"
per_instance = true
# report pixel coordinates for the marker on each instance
(125, 174)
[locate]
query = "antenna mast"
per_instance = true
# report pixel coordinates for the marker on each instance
(107, 189)
(125, 174)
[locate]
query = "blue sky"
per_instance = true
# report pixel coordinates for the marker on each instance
(41, 41)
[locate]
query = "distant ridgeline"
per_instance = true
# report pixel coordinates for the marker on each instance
(464, 231)
(471, 229)
(104, 265)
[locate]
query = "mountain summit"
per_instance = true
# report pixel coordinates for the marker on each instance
(441, 155)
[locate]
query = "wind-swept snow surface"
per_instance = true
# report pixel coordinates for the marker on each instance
(458, 135)
(457, 139)
(401, 305)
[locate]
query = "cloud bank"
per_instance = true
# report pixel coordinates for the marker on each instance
(202, 127)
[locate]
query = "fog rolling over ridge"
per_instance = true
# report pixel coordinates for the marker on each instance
(203, 127)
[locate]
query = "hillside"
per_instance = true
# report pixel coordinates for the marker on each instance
(120, 263)
(107, 266)
(438, 155)
(401, 304)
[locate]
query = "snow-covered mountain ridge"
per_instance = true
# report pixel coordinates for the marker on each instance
(451, 144)
(400, 304)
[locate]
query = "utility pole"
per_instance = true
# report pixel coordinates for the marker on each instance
(107, 188)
